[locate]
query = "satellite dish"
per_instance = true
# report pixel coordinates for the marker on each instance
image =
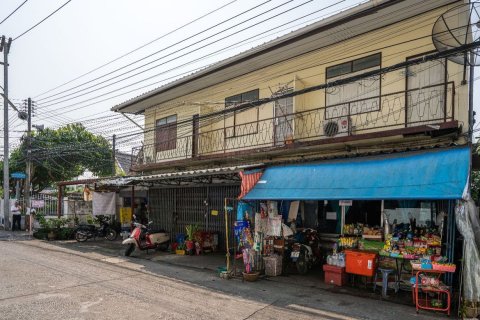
(456, 27)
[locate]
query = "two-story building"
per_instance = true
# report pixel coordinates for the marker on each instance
(357, 106)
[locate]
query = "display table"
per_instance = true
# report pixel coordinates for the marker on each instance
(426, 283)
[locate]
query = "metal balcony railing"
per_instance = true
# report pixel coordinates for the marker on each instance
(427, 105)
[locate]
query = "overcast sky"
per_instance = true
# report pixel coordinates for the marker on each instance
(86, 34)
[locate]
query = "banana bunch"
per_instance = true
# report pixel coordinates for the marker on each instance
(348, 242)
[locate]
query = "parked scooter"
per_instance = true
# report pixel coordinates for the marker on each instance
(143, 239)
(88, 231)
(305, 252)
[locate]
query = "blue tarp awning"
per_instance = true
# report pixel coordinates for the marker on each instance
(440, 174)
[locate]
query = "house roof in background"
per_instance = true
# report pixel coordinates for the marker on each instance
(124, 161)
(358, 20)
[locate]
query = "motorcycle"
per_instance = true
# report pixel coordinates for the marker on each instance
(143, 239)
(88, 231)
(305, 251)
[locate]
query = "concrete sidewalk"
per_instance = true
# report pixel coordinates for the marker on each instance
(276, 292)
(6, 235)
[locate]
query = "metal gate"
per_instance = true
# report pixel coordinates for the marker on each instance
(173, 208)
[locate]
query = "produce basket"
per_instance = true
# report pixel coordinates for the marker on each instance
(416, 264)
(253, 276)
(442, 267)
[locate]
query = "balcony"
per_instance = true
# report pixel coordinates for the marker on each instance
(391, 113)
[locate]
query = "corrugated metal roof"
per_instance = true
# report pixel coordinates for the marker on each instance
(124, 181)
(337, 28)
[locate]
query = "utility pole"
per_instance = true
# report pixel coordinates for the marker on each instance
(5, 47)
(26, 193)
(113, 155)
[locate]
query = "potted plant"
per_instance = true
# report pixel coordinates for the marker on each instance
(52, 226)
(180, 249)
(190, 243)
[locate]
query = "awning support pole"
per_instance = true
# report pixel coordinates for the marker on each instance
(382, 212)
(226, 236)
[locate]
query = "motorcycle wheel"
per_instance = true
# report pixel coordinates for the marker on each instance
(301, 264)
(129, 249)
(81, 236)
(111, 234)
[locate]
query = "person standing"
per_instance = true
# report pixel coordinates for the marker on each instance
(16, 215)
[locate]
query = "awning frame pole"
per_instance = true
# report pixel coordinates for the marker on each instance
(342, 222)
(382, 212)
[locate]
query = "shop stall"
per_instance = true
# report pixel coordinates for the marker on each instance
(385, 221)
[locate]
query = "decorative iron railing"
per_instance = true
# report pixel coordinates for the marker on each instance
(427, 105)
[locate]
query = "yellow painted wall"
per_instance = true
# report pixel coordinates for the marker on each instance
(395, 43)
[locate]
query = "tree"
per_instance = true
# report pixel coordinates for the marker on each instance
(62, 154)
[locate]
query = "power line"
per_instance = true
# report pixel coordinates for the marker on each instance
(169, 54)
(38, 23)
(138, 48)
(13, 11)
(141, 81)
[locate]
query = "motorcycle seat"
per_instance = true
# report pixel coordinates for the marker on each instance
(156, 231)
(86, 227)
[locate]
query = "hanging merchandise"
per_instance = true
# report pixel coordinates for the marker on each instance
(249, 259)
(247, 239)
(287, 231)
(272, 209)
(274, 226)
(239, 226)
(261, 223)
(258, 240)
(244, 210)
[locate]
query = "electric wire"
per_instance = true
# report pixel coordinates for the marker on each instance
(5, 19)
(38, 23)
(138, 48)
(110, 92)
(163, 49)
(52, 102)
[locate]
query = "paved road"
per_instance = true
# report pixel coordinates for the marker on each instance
(39, 280)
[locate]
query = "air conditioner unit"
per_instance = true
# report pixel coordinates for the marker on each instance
(337, 127)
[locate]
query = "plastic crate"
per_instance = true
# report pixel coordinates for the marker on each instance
(335, 275)
(361, 262)
(273, 265)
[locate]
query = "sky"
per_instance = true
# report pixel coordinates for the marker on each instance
(65, 63)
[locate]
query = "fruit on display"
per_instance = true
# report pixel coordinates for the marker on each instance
(348, 242)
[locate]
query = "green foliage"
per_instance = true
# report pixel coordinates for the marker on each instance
(191, 230)
(62, 154)
(52, 223)
(475, 186)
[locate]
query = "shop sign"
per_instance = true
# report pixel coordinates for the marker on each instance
(346, 203)
(18, 175)
(38, 204)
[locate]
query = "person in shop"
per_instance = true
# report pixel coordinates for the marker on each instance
(16, 210)
(140, 212)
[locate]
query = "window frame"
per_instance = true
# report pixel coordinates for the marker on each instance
(230, 102)
(171, 126)
(352, 71)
